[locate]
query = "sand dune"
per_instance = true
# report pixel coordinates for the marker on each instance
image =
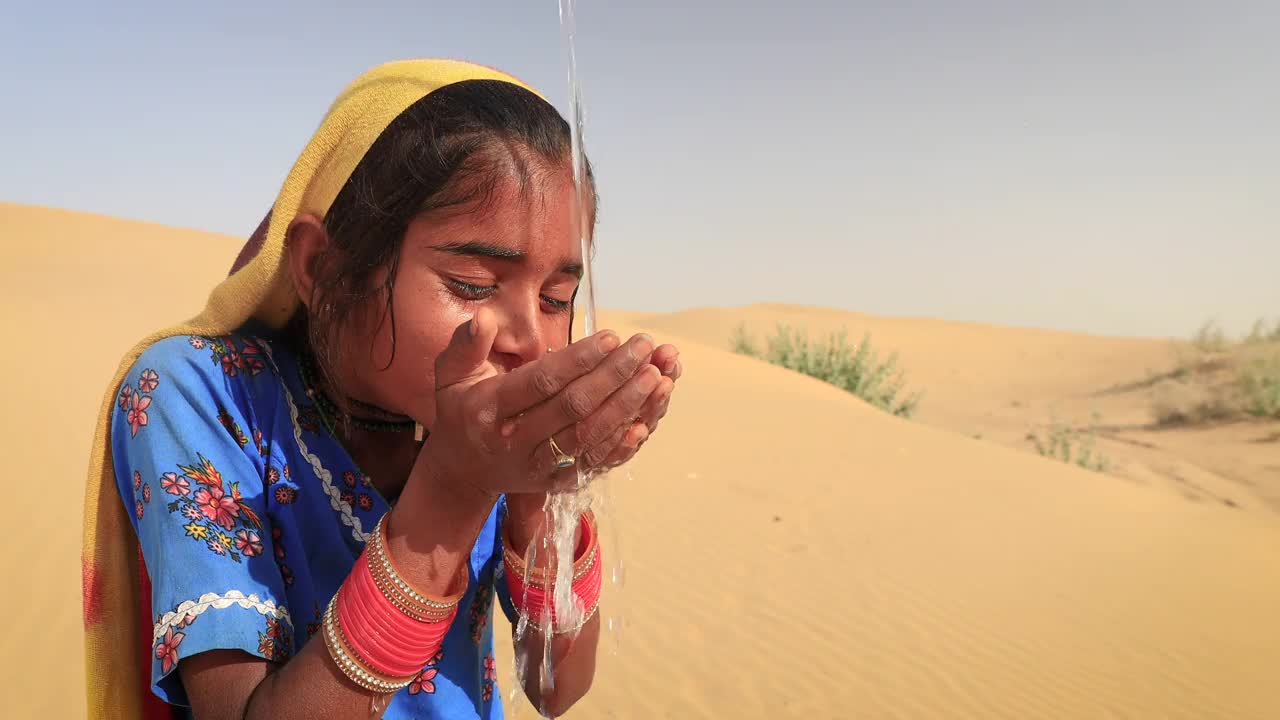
(789, 551)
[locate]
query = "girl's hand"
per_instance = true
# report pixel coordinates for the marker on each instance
(493, 432)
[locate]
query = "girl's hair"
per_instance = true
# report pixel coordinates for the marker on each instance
(449, 149)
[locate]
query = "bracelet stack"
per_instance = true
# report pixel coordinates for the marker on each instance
(379, 630)
(530, 588)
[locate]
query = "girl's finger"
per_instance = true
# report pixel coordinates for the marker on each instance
(656, 406)
(666, 359)
(627, 449)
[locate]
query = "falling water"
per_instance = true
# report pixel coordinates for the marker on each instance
(562, 510)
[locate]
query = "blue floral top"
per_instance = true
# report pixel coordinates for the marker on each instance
(250, 515)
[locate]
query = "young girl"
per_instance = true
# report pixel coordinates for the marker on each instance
(330, 474)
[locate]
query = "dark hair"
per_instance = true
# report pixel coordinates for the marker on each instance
(450, 148)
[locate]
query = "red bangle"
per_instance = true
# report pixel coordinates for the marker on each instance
(398, 633)
(383, 637)
(533, 597)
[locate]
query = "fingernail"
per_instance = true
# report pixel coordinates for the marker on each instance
(643, 345)
(649, 379)
(640, 436)
(609, 342)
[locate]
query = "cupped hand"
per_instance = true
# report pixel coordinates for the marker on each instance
(493, 431)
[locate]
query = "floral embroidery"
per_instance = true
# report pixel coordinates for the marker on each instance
(480, 611)
(232, 426)
(286, 494)
(365, 501)
(248, 543)
(286, 574)
(214, 512)
(273, 475)
(167, 649)
(137, 481)
(309, 419)
(275, 643)
(490, 668)
(424, 682)
(246, 358)
(174, 485)
(349, 479)
(263, 450)
(134, 403)
(277, 542)
(487, 691)
(348, 497)
(313, 627)
(146, 493)
(148, 381)
(138, 509)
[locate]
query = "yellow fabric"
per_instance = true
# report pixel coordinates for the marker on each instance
(260, 289)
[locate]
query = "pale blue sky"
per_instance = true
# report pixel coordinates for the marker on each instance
(1103, 166)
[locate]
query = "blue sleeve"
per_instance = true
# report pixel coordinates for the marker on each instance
(500, 577)
(193, 486)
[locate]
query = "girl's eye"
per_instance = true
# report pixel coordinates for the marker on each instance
(471, 292)
(557, 306)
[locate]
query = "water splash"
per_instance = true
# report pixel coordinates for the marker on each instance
(562, 510)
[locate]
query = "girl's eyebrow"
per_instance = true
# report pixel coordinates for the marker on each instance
(498, 252)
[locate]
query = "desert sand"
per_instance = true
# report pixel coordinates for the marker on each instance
(789, 550)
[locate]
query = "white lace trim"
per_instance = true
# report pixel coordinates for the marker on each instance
(326, 478)
(197, 607)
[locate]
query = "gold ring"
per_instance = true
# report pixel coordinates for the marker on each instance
(564, 461)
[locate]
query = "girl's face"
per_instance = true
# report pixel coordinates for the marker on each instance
(516, 254)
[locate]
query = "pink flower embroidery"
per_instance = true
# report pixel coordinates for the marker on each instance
(137, 480)
(174, 485)
(138, 510)
(167, 650)
(217, 506)
(138, 412)
(248, 542)
(490, 669)
(146, 493)
(197, 343)
(191, 512)
(424, 682)
(487, 693)
(126, 392)
(216, 546)
(149, 381)
(231, 363)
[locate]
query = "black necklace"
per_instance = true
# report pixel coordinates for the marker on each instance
(331, 414)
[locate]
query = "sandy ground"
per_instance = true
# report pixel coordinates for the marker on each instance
(789, 551)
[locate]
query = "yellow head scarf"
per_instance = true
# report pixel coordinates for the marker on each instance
(117, 637)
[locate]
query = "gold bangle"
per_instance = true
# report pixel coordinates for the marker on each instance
(349, 662)
(394, 586)
(541, 577)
